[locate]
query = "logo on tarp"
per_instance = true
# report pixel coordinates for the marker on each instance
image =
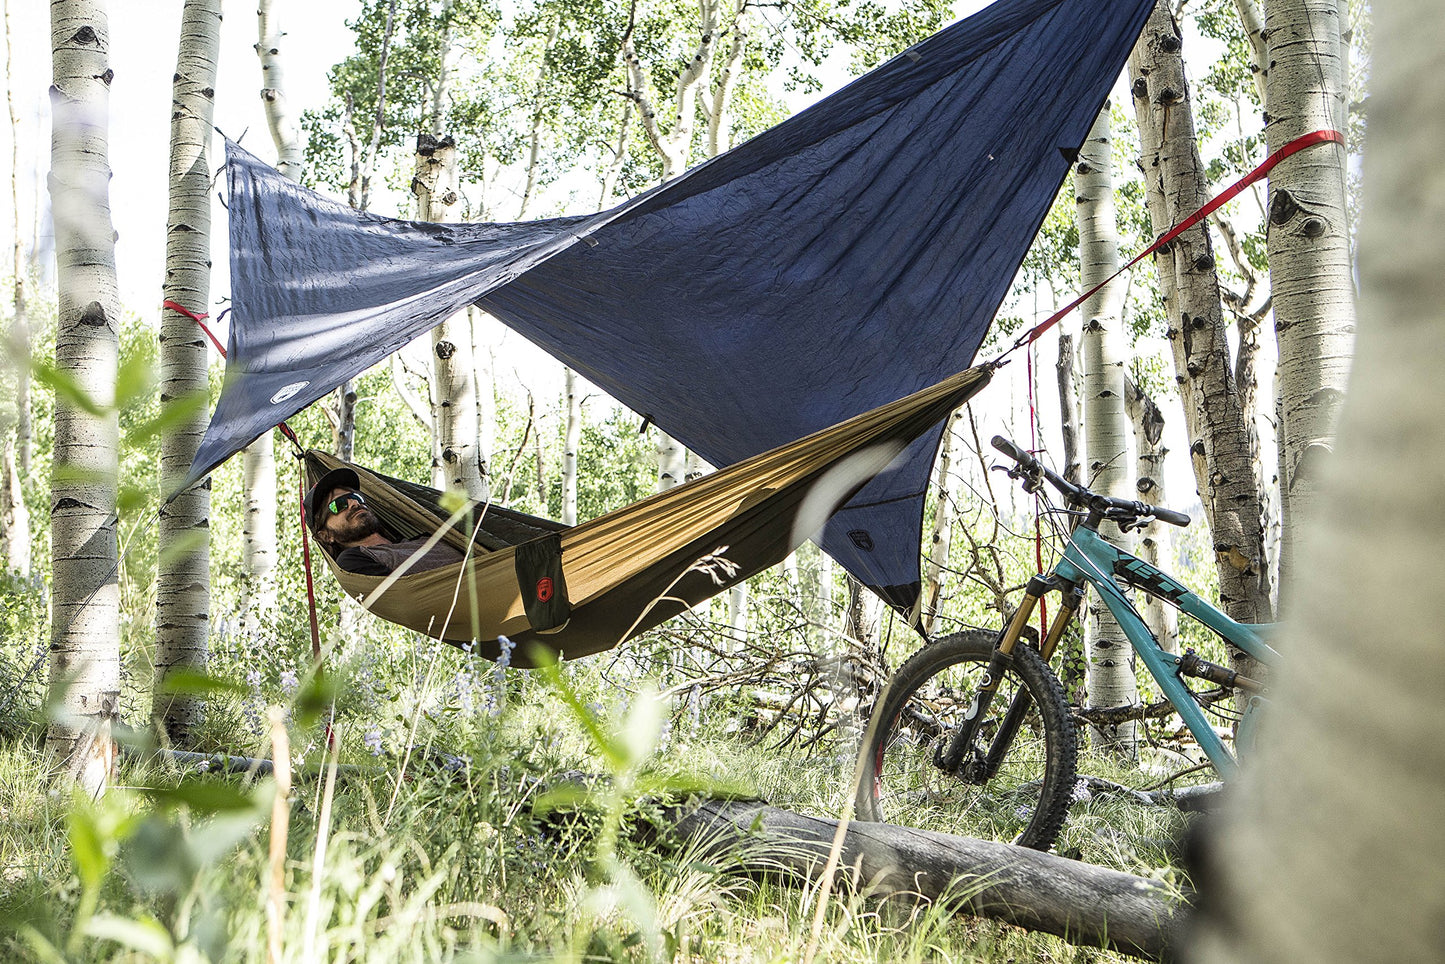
(862, 539)
(544, 589)
(288, 392)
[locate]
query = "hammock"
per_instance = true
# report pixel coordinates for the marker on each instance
(629, 570)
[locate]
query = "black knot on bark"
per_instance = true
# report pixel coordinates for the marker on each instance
(1169, 96)
(1313, 228)
(93, 314)
(86, 35)
(107, 77)
(445, 350)
(1204, 262)
(1140, 88)
(1282, 207)
(1170, 43)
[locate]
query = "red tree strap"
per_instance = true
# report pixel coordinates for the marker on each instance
(198, 319)
(305, 540)
(310, 580)
(1219, 200)
(1038, 507)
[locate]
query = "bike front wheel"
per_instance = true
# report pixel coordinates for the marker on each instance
(1023, 799)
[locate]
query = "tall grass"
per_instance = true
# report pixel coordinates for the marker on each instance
(509, 833)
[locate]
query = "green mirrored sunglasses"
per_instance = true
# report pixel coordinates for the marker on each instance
(339, 503)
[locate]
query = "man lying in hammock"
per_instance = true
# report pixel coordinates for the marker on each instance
(344, 525)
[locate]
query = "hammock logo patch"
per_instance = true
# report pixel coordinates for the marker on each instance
(861, 539)
(288, 392)
(544, 589)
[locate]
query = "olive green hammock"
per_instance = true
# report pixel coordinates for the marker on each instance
(584, 589)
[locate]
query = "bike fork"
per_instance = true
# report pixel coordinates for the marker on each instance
(983, 768)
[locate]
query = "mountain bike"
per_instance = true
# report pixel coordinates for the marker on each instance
(977, 723)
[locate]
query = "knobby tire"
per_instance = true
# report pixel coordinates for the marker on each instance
(1028, 798)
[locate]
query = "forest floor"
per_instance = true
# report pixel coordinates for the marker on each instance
(440, 840)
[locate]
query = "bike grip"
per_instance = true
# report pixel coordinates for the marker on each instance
(1171, 517)
(1011, 450)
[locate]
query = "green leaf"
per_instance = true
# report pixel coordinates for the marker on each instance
(135, 380)
(192, 682)
(66, 388)
(615, 754)
(146, 935)
(175, 413)
(315, 698)
(206, 796)
(87, 846)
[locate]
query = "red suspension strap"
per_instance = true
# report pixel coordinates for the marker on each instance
(199, 318)
(1219, 200)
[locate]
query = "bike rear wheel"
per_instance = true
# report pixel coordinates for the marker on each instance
(1024, 801)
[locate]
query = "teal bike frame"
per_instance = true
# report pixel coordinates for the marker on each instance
(1088, 559)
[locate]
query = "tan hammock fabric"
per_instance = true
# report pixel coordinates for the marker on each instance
(617, 566)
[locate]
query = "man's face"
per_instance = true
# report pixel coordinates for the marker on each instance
(351, 524)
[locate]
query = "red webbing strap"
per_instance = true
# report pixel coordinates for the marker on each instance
(1219, 200)
(305, 533)
(198, 319)
(1038, 507)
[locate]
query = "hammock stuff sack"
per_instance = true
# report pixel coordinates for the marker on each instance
(627, 571)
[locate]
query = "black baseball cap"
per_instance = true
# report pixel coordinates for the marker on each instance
(316, 495)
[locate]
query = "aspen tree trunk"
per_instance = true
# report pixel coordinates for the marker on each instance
(673, 149)
(1073, 467)
(1154, 543)
(258, 461)
(183, 597)
(939, 541)
(1353, 743)
(1073, 656)
(1111, 667)
(1252, 17)
(453, 355)
(539, 119)
(15, 537)
(85, 602)
(1309, 246)
(1218, 426)
(571, 442)
(290, 154)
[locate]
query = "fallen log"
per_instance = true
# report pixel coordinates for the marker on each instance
(1084, 904)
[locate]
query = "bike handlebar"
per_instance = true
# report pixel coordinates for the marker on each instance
(1106, 506)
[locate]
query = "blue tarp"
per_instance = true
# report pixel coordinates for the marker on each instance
(845, 258)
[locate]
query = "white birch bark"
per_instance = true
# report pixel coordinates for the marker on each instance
(674, 145)
(1219, 429)
(671, 462)
(572, 440)
(15, 536)
(1308, 243)
(1154, 543)
(719, 115)
(290, 156)
(259, 493)
(453, 348)
(183, 597)
(539, 119)
(1252, 17)
(85, 603)
(1111, 671)
(1327, 853)
(939, 541)
(1064, 365)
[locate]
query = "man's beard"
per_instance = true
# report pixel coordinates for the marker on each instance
(352, 528)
